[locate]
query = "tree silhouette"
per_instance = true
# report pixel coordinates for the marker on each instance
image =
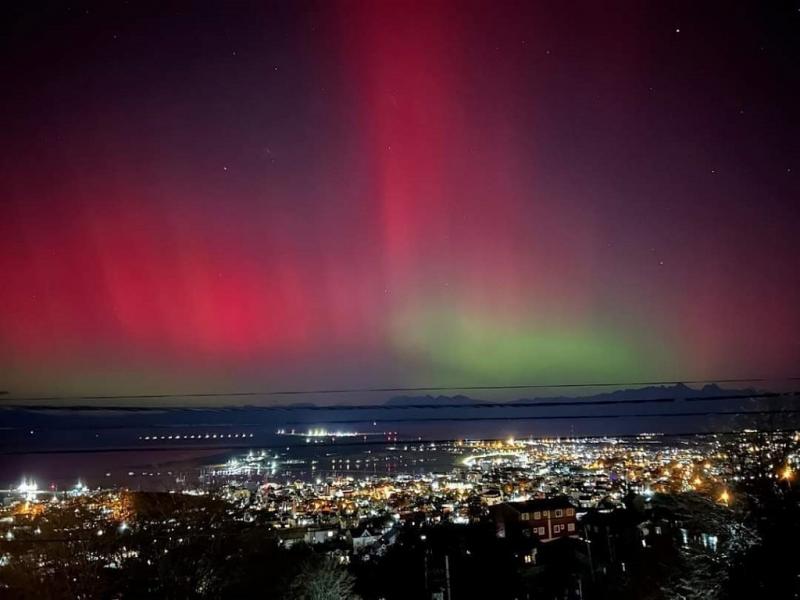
(322, 578)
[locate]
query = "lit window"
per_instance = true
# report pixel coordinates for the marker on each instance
(537, 515)
(546, 513)
(570, 526)
(541, 530)
(525, 516)
(559, 513)
(570, 512)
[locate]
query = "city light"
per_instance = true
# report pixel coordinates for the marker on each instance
(321, 497)
(26, 486)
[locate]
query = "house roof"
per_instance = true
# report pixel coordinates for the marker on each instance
(541, 504)
(361, 531)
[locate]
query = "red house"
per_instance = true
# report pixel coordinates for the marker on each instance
(548, 518)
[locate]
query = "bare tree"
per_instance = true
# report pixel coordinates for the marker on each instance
(323, 579)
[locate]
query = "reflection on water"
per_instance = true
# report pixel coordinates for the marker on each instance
(186, 468)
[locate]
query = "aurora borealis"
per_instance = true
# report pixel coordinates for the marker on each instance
(298, 195)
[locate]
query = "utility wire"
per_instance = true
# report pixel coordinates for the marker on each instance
(330, 391)
(589, 401)
(562, 417)
(370, 407)
(642, 437)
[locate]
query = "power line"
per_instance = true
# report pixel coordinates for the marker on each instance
(427, 405)
(331, 391)
(564, 417)
(374, 407)
(410, 442)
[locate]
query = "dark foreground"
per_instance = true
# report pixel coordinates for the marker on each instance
(177, 546)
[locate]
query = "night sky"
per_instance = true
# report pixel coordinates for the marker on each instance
(228, 196)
